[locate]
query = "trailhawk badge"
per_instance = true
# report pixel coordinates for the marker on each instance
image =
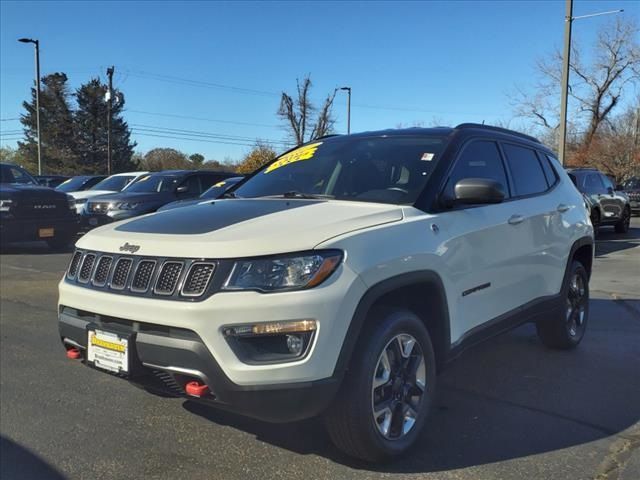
(127, 247)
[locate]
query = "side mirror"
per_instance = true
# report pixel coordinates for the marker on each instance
(182, 189)
(610, 190)
(473, 191)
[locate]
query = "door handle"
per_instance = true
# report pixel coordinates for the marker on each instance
(515, 219)
(563, 208)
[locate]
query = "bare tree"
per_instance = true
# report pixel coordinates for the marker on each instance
(298, 114)
(596, 87)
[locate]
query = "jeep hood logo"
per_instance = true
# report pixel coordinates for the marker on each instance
(127, 247)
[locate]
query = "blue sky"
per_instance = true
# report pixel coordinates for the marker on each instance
(224, 64)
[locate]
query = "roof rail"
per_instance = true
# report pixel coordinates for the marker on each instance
(463, 126)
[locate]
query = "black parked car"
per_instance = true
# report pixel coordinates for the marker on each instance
(51, 181)
(148, 194)
(29, 211)
(211, 194)
(632, 189)
(80, 183)
(610, 205)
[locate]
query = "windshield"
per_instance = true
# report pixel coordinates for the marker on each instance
(73, 184)
(219, 188)
(114, 183)
(13, 174)
(154, 183)
(632, 184)
(390, 169)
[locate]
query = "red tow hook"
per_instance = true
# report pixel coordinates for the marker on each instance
(74, 353)
(196, 389)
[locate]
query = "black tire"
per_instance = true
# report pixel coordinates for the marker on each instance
(566, 329)
(595, 221)
(61, 242)
(350, 419)
(623, 224)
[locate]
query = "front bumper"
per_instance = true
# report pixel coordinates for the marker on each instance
(28, 229)
(173, 337)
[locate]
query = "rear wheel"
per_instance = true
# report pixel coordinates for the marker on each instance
(386, 394)
(566, 329)
(623, 224)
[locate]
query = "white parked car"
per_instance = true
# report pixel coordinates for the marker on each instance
(114, 183)
(339, 279)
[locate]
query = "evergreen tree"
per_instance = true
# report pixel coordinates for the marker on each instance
(91, 126)
(56, 126)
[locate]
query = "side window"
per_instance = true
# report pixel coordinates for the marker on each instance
(549, 172)
(479, 159)
(208, 180)
(527, 173)
(593, 183)
(193, 185)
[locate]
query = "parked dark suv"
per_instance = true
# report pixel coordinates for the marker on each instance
(610, 205)
(29, 211)
(148, 194)
(632, 189)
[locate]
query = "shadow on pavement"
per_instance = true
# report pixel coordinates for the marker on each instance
(507, 398)
(609, 241)
(19, 463)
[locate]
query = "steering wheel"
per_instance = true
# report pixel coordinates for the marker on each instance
(398, 189)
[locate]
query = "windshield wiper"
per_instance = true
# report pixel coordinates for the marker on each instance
(296, 194)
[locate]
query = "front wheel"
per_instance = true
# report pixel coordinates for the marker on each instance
(623, 224)
(566, 329)
(387, 392)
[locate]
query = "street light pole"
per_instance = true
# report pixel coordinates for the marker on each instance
(564, 97)
(348, 89)
(37, 58)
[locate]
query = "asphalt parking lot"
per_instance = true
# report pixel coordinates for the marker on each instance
(506, 409)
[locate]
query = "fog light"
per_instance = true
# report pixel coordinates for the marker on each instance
(295, 344)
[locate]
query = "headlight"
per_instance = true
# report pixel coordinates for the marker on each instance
(71, 201)
(5, 205)
(127, 205)
(81, 201)
(291, 272)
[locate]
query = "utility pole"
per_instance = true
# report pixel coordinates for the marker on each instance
(562, 141)
(109, 106)
(37, 55)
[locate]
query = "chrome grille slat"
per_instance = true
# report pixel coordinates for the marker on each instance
(121, 273)
(87, 267)
(197, 279)
(75, 263)
(168, 277)
(143, 275)
(101, 273)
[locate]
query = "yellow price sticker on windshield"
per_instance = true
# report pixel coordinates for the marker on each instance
(302, 153)
(219, 184)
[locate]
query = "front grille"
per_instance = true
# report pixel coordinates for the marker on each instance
(75, 263)
(102, 271)
(121, 273)
(168, 278)
(142, 277)
(87, 267)
(98, 207)
(197, 279)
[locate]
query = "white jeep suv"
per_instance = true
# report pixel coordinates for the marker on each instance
(338, 279)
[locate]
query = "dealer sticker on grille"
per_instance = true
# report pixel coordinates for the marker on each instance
(108, 351)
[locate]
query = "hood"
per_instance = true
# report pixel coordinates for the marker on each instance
(89, 194)
(31, 191)
(240, 227)
(142, 197)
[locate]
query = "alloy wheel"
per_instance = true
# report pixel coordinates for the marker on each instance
(398, 387)
(576, 304)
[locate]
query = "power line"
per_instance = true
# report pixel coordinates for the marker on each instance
(177, 131)
(196, 139)
(187, 117)
(8, 119)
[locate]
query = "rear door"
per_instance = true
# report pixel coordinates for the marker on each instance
(536, 224)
